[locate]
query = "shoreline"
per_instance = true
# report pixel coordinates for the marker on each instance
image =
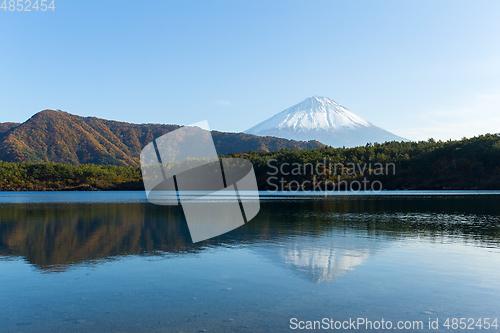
(87, 189)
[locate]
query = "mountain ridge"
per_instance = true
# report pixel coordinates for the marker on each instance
(62, 137)
(4, 127)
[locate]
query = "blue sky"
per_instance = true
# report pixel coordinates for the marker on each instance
(419, 69)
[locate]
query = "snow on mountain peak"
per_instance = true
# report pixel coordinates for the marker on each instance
(318, 113)
(322, 119)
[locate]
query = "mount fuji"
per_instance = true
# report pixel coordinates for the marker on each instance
(324, 120)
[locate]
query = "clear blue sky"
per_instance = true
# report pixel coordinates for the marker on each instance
(417, 68)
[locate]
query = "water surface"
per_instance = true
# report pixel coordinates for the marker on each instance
(111, 261)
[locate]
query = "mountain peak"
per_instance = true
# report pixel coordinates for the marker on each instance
(48, 114)
(313, 113)
(322, 119)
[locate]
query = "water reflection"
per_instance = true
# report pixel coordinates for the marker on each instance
(53, 236)
(321, 259)
(318, 238)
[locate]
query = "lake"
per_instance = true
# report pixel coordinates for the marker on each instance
(112, 262)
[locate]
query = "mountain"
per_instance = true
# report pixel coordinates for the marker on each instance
(57, 136)
(4, 127)
(322, 119)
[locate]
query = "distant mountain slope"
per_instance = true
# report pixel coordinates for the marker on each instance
(56, 136)
(322, 119)
(4, 127)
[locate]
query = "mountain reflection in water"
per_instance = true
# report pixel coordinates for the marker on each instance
(321, 259)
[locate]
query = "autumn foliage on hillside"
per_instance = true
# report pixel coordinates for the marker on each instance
(60, 137)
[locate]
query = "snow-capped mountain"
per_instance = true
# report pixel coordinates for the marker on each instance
(324, 120)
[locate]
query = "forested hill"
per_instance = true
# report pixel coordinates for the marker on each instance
(4, 127)
(425, 165)
(61, 137)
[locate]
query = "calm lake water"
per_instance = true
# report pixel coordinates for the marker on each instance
(112, 262)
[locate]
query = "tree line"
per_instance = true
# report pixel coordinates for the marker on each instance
(460, 164)
(455, 164)
(22, 176)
